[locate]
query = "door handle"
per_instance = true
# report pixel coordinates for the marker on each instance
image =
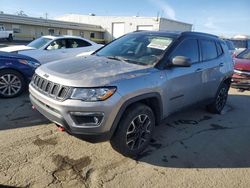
(198, 70)
(221, 64)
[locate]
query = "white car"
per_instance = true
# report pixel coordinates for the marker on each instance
(50, 48)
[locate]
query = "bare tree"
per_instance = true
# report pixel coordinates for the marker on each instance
(21, 13)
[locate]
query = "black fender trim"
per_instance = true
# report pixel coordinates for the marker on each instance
(136, 99)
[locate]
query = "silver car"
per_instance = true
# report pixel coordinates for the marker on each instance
(126, 88)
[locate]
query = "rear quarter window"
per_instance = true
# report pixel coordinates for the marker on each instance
(208, 50)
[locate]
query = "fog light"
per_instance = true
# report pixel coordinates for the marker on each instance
(87, 118)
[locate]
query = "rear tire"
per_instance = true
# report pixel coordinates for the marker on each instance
(12, 83)
(134, 131)
(10, 38)
(220, 99)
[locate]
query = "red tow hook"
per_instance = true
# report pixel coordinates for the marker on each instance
(60, 128)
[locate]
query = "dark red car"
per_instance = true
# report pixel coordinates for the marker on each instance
(241, 77)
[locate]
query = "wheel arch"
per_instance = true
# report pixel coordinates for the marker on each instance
(13, 69)
(153, 100)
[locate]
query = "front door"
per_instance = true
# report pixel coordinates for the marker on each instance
(183, 85)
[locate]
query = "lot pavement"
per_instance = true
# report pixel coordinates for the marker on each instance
(191, 149)
(5, 43)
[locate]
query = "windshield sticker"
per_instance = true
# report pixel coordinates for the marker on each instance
(159, 43)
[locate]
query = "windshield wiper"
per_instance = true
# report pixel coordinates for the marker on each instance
(119, 58)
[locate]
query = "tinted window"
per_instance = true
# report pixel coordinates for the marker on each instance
(219, 49)
(77, 43)
(188, 48)
(208, 49)
(57, 44)
(244, 55)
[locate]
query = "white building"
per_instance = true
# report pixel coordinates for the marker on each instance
(117, 26)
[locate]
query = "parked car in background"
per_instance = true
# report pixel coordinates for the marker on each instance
(231, 47)
(241, 77)
(15, 73)
(241, 43)
(6, 34)
(50, 48)
(124, 89)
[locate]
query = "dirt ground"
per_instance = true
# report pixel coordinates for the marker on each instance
(192, 149)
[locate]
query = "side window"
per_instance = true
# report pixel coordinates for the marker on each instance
(77, 43)
(208, 49)
(188, 48)
(57, 44)
(219, 49)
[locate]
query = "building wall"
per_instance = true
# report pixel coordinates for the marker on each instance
(131, 23)
(28, 28)
(171, 25)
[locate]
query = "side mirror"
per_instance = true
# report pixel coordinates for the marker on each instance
(181, 61)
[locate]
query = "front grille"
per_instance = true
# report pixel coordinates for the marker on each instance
(242, 72)
(51, 89)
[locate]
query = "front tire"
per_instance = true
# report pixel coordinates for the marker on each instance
(12, 83)
(135, 130)
(220, 99)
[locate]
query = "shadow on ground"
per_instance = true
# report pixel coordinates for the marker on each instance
(17, 113)
(197, 139)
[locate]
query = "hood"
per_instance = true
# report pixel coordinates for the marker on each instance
(242, 64)
(8, 55)
(91, 71)
(16, 48)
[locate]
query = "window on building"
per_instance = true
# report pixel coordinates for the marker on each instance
(92, 35)
(208, 49)
(188, 48)
(16, 29)
(51, 31)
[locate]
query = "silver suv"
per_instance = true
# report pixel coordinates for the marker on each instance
(126, 88)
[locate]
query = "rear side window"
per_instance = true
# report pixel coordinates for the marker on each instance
(77, 43)
(219, 49)
(208, 49)
(188, 48)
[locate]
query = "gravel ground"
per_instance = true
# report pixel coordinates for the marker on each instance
(191, 149)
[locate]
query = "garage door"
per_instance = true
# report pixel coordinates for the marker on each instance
(118, 29)
(145, 27)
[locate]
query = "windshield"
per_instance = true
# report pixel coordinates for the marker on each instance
(38, 43)
(240, 43)
(244, 55)
(137, 48)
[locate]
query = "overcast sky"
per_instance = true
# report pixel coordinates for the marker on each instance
(221, 17)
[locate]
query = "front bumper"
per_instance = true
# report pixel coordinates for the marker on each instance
(240, 82)
(62, 113)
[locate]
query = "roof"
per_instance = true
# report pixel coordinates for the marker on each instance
(178, 33)
(9, 18)
(66, 36)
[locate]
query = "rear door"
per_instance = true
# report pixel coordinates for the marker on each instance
(183, 86)
(212, 61)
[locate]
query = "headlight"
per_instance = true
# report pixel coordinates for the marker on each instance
(30, 63)
(93, 94)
